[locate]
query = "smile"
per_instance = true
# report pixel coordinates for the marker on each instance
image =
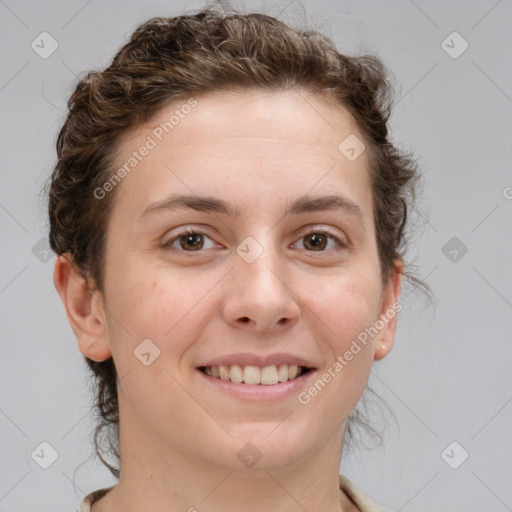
(255, 375)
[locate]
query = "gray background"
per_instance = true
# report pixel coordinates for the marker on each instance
(448, 376)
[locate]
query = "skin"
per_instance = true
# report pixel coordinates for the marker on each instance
(180, 437)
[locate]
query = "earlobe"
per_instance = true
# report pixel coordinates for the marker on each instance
(388, 313)
(85, 313)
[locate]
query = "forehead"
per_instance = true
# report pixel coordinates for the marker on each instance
(294, 116)
(279, 141)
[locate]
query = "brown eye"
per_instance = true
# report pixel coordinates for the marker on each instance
(191, 241)
(323, 241)
(316, 241)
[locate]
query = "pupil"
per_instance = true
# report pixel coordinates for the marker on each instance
(191, 238)
(318, 241)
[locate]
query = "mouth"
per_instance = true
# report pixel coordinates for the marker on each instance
(256, 375)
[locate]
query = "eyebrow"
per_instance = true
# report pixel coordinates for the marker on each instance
(304, 204)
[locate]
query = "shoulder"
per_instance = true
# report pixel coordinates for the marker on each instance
(91, 498)
(364, 502)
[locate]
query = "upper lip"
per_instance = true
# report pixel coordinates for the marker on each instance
(245, 359)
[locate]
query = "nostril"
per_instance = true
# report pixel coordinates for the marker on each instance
(245, 319)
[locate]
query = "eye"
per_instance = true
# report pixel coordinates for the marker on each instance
(192, 240)
(189, 240)
(318, 240)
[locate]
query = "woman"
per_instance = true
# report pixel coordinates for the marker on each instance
(228, 213)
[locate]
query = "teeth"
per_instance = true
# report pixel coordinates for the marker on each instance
(250, 374)
(269, 375)
(236, 374)
(222, 372)
(293, 371)
(283, 373)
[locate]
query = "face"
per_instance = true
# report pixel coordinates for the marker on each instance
(270, 273)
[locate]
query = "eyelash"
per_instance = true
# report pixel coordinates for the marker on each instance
(191, 231)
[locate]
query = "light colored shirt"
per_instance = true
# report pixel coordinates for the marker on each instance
(361, 500)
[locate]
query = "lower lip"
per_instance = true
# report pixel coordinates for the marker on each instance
(260, 392)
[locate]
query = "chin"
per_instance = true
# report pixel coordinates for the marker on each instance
(270, 445)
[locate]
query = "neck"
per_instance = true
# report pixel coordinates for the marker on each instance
(177, 482)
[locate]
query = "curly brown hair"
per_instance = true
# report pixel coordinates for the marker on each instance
(167, 59)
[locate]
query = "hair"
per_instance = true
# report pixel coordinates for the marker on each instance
(167, 59)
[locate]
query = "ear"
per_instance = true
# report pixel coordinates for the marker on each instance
(388, 312)
(84, 309)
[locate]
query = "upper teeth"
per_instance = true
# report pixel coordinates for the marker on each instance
(254, 374)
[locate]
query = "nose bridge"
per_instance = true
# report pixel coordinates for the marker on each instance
(260, 291)
(259, 265)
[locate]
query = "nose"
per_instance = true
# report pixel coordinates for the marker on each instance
(260, 294)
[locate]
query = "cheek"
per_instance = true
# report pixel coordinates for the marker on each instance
(341, 311)
(344, 306)
(170, 308)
